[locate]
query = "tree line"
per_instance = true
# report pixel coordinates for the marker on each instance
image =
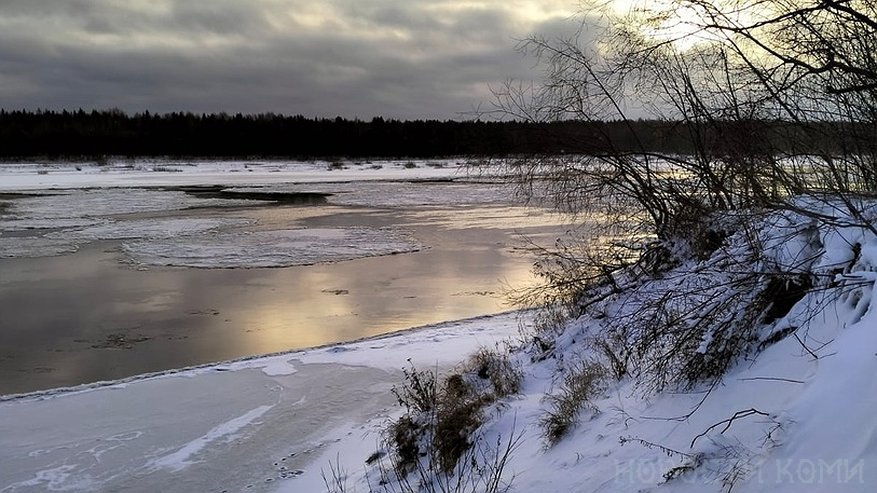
(89, 134)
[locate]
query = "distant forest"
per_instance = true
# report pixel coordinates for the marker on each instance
(89, 134)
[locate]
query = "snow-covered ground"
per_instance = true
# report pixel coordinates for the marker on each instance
(246, 425)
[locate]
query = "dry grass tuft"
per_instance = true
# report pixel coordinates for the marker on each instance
(579, 385)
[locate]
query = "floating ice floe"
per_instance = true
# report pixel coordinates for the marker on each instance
(280, 248)
(69, 241)
(34, 246)
(149, 228)
(62, 208)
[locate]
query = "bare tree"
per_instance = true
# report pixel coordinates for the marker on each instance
(777, 100)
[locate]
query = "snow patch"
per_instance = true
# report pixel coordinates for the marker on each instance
(180, 459)
(278, 367)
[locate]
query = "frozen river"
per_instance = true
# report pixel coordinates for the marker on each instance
(105, 283)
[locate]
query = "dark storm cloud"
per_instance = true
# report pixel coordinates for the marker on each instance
(355, 58)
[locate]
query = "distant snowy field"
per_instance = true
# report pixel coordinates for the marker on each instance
(151, 173)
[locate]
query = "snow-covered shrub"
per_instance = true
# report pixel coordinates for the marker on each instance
(436, 440)
(691, 322)
(578, 386)
(458, 414)
(494, 368)
(480, 469)
(417, 392)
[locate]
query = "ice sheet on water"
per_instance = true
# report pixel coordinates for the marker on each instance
(149, 228)
(90, 215)
(38, 246)
(69, 240)
(14, 224)
(280, 248)
(66, 205)
(399, 193)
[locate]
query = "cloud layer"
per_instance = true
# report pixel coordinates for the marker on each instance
(354, 58)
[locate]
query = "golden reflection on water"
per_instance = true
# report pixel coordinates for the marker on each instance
(59, 314)
(379, 295)
(497, 217)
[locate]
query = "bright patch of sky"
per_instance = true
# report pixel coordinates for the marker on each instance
(353, 58)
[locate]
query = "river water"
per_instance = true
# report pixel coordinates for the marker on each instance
(86, 316)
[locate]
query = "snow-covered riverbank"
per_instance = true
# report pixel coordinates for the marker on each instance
(237, 426)
(789, 296)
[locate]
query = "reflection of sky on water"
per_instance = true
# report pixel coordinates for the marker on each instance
(500, 217)
(55, 309)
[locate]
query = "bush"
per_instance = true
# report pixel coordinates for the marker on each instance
(438, 420)
(495, 367)
(580, 384)
(458, 414)
(336, 165)
(442, 416)
(166, 169)
(417, 392)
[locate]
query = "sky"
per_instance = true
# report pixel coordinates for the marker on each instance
(405, 59)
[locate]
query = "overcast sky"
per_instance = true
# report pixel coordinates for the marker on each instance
(353, 58)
